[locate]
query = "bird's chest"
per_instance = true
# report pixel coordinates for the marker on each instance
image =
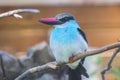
(64, 44)
(63, 52)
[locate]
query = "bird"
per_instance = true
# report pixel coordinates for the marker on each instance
(67, 39)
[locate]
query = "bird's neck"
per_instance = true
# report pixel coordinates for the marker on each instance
(66, 34)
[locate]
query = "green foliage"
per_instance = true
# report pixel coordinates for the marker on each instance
(99, 60)
(116, 71)
(117, 78)
(93, 73)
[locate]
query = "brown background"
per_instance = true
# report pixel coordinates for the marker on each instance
(100, 23)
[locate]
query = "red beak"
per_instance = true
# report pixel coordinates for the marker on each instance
(50, 21)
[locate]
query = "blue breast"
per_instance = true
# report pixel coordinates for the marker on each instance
(64, 35)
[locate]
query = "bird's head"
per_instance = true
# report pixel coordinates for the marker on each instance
(58, 19)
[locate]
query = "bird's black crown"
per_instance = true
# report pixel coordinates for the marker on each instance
(63, 17)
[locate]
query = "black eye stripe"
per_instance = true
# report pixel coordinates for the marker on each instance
(64, 19)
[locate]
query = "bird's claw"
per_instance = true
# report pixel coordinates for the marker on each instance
(71, 59)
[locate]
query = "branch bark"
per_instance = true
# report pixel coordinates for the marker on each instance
(15, 12)
(41, 69)
(46, 68)
(97, 51)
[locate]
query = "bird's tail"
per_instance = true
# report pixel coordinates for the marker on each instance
(75, 74)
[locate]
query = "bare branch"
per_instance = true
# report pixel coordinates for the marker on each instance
(41, 69)
(14, 12)
(46, 68)
(17, 16)
(97, 51)
(108, 67)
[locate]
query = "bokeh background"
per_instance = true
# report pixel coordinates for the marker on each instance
(100, 20)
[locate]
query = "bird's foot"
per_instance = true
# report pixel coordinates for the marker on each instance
(62, 65)
(71, 59)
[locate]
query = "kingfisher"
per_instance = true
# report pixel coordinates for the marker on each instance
(67, 40)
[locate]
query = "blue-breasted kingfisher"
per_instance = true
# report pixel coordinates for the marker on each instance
(67, 40)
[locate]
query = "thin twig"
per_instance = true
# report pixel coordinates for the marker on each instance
(108, 67)
(46, 68)
(14, 12)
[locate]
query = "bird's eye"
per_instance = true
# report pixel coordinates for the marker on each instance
(64, 19)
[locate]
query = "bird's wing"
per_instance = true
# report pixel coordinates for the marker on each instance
(84, 36)
(82, 33)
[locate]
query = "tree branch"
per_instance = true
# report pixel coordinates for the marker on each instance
(41, 69)
(97, 51)
(14, 12)
(108, 67)
(46, 68)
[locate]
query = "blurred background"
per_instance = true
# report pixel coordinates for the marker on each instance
(100, 20)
